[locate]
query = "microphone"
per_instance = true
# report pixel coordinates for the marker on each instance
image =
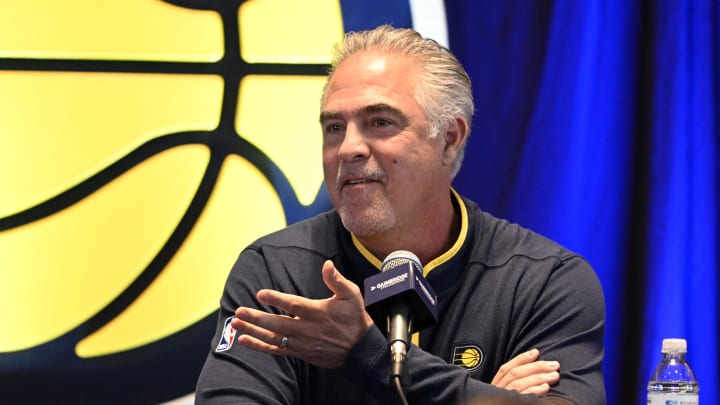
(401, 297)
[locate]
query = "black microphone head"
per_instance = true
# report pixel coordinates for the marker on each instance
(401, 279)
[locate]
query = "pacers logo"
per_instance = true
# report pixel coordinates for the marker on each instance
(469, 357)
(143, 144)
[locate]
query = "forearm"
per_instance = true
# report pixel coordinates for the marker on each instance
(431, 379)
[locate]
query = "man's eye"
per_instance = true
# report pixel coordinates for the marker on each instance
(330, 128)
(381, 122)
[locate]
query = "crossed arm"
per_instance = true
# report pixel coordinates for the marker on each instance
(323, 332)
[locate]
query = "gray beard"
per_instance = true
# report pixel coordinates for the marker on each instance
(365, 221)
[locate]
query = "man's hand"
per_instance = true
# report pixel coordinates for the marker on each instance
(321, 332)
(526, 374)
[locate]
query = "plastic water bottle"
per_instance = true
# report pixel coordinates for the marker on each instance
(673, 382)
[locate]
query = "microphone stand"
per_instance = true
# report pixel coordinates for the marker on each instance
(399, 324)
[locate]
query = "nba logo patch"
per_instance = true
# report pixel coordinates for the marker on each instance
(227, 338)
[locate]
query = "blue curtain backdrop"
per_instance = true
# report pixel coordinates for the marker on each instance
(597, 125)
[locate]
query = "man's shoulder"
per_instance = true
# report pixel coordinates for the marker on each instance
(498, 240)
(312, 233)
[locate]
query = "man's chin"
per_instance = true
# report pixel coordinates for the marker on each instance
(366, 225)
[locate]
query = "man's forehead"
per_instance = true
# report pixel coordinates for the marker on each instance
(377, 64)
(367, 109)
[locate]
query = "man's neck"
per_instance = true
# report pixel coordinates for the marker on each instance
(427, 237)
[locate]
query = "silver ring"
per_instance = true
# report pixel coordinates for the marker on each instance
(283, 342)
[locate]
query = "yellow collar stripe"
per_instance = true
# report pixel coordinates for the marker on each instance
(458, 242)
(366, 253)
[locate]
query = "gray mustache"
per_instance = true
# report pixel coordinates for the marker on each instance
(371, 174)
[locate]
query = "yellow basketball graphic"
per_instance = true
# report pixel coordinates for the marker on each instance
(470, 358)
(143, 144)
(467, 356)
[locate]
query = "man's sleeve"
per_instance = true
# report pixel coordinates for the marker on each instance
(232, 373)
(566, 322)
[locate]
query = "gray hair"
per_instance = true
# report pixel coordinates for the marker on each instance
(444, 90)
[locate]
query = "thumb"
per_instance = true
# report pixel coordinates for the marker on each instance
(339, 285)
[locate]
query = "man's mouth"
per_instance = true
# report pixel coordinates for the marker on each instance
(358, 181)
(359, 178)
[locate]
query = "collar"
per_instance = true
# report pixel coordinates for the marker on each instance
(460, 207)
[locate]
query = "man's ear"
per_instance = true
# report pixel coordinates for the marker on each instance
(455, 135)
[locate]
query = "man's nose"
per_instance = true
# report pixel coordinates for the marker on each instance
(354, 145)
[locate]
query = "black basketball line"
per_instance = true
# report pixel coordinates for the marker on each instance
(222, 142)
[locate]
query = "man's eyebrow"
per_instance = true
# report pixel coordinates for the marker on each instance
(329, 115)
(373, 108)
(382, 107)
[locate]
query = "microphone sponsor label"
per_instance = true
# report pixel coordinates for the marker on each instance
(389, 283)
(403, 282)
(421, 282)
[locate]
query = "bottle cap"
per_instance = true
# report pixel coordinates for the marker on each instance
(674, 346)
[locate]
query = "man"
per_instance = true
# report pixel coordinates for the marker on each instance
(520, 318)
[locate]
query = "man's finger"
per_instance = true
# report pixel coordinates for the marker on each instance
(254, 343)
(519, 360)
(339, 285)
(267, 327)
(260, 325)
(293, 305)
(537, 390)
(536, 383)
(535, 372)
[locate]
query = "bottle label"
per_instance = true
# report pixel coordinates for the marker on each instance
(672, 399)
